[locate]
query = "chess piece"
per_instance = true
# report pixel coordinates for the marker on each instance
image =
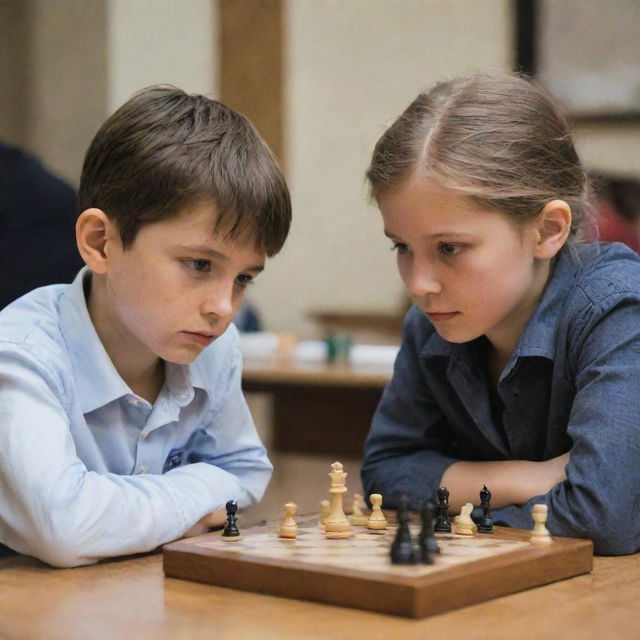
(376, 521)
(403, 550)
(231, 531)
(427, 542)
(324, 512)
(443, 525)
(463, 524)
(358, 518)
(288, 527)
(540, 533)
(337, 526)
(486, 523)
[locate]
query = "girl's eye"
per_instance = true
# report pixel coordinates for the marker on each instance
(400, 247)
(448, 249)
(244, 280)
(200, 266)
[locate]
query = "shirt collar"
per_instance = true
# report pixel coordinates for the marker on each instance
(98, 382)
(539, 335)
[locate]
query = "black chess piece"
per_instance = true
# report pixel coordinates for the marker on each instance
(402, 548)
(486, 523)
(427, 542)
(443, 525)
(231, 529)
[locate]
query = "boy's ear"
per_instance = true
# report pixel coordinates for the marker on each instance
(94, 233)
(553, 226)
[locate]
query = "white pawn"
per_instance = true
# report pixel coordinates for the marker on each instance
(463, 524)
(376, 520)
(358, 518)
(540, 533)
(289, 527)
(324, 511)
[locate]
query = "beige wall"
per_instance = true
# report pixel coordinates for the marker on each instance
(161, 42)
(351, 67)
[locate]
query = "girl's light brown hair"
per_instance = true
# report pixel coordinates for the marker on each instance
(500, 140)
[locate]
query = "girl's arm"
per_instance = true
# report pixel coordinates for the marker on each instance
(510, 481)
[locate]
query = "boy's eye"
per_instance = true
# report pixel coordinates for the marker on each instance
(448, 249)
(244, 280)
(201, 266)
(400, 247)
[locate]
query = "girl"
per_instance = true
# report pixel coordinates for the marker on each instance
(520, 358)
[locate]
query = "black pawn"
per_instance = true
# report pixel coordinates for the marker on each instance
(231, 529)
(402, 549)
(486, 523)
(442, 521)
(426, 540)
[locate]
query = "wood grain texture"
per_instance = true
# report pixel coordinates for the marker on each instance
(251, 59)
(131, 598)
(388, 589)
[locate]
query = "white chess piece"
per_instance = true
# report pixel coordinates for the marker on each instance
(376, 520)
(289, 527)
(337, 526)
(540, 533)
(358, 518)
(325, 508)
(463, 524)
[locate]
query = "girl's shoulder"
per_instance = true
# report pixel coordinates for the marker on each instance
(605, 271)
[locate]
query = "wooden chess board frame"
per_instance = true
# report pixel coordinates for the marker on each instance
(415, 591)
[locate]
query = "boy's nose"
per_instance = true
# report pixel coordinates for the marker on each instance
(219, 303)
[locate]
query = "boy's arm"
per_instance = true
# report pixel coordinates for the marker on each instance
(52, 507)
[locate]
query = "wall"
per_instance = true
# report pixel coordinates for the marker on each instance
(350, 68)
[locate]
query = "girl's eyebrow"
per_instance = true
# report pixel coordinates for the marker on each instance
(435, 236)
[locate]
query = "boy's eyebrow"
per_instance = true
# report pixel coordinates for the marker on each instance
(212, 253)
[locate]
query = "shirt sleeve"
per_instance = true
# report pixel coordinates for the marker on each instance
(405, 451)
(600, 498)
(55, 509)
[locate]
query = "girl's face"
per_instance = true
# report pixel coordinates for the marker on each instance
(471, 271)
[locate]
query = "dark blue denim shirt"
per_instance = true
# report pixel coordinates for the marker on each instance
(572, 384)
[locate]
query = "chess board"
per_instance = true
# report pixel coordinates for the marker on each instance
(356, 572)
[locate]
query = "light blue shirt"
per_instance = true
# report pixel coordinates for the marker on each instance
(90, 470)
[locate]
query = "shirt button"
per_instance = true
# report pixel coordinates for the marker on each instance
(133, 402)
(144, 435)
(143, 468)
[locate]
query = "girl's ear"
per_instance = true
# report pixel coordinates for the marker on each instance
(553, 227)
(94, 235)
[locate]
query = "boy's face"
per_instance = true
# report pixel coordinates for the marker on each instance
(471, 271)
(177, 287)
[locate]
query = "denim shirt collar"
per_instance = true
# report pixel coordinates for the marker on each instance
(98, 381)
(539, 335)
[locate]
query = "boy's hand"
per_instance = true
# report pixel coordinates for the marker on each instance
(212, 519)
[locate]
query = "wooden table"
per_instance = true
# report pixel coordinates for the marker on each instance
(318, 407)
(132, 599)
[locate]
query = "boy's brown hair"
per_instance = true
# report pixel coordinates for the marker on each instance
(164, 150)
(500, 140)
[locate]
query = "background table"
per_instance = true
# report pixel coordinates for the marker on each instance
(318, 407)
(132, 599)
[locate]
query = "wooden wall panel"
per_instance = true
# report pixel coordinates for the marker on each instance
(251, 59)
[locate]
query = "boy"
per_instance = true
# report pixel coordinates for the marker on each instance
(122, 422)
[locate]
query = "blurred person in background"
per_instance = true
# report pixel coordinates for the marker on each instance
(37, 221)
